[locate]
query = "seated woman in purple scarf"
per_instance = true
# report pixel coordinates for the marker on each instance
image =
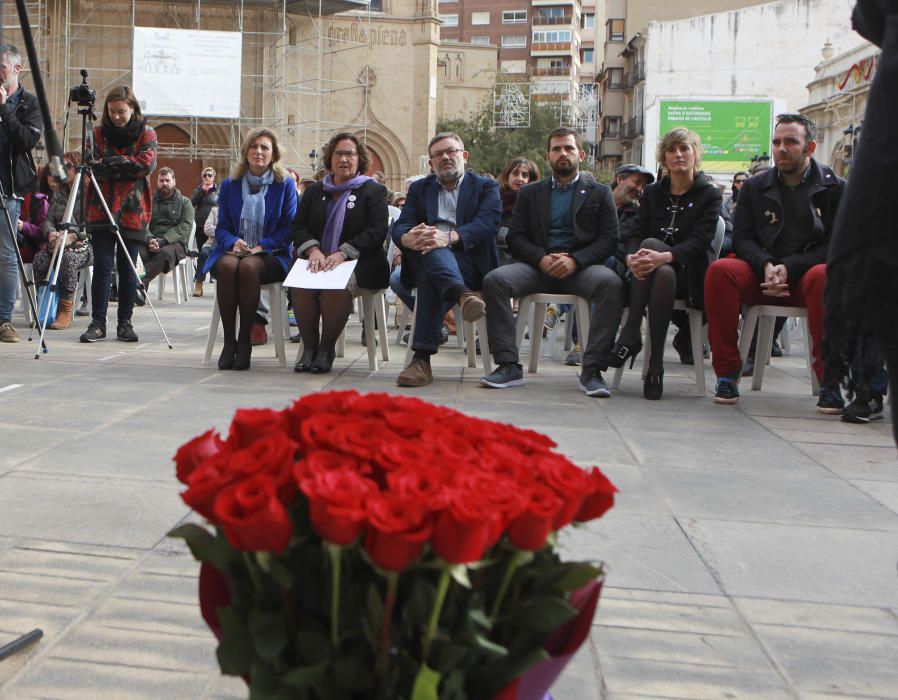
(256, 206)
(343, 217)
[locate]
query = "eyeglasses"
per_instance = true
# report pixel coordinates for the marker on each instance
(208, 175)
(451, 152)
(346, 154)
(740, 180)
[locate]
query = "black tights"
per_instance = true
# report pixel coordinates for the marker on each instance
(657, 292)
(332, 307)
(239, 283)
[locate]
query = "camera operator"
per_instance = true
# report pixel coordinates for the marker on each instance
(124, 155)
(20, 130)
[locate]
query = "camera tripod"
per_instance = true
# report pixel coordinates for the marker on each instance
(85, 100)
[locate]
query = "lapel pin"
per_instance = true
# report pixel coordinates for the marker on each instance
(690, 205)
(352, 198)
(771, 215)
(582, 191)
(350, 205)
(818, 213)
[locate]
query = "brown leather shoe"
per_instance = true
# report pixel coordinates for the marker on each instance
(63, 315)
(197, 289)
(416, 374)
(473, 308)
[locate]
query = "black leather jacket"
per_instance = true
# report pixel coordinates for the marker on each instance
(23, 126)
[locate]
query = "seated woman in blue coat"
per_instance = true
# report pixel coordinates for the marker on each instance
(343, 217)
(256, 206)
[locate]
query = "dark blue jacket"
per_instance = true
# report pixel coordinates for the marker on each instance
(477, 214)
(280, 208)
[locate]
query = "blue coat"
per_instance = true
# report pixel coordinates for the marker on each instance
(280, 208)
(477, 215)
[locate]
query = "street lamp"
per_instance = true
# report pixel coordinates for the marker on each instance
(313, 160)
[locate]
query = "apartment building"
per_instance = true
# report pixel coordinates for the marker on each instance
(622, 71)
(548, 44)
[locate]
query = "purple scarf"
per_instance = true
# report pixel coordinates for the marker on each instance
(336, 209)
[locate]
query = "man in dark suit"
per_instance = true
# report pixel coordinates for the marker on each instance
(447, 232)
(562, 231)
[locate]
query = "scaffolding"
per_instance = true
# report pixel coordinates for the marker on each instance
(288, 68)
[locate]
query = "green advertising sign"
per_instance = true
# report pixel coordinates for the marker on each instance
(731, 132)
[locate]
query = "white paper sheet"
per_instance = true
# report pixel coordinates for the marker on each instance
(338, 278)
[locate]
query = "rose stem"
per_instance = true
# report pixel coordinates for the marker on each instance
(520, 557)
(336, 552)
(258, 583)
(392, 585)
(442, 588)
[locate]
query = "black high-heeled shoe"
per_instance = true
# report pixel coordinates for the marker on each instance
(324, 360)
(621, 353)
(243, 355)
(653, 386)
(304, 363)
(226, 359)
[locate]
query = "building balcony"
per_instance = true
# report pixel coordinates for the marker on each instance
(552, 48)
(632, 129)
(565, 21)
(564, 71)
(635, 76)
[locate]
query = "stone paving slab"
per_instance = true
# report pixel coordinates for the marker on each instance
(751, 554)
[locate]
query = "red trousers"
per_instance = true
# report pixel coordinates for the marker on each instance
(730, 283)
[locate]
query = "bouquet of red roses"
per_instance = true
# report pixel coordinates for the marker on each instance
(375, 546)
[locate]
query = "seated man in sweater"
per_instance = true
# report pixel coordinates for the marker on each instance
(169, 228)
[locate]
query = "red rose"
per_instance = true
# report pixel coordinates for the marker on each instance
(206, 482)
(509, 462)
(506, 498)
(252, 517)
(462, 531)
(599, 499)
(190, 454)
(398, 527)
(567, 480)
(450, 442)
(361, 437)
(531, 528)
(426, 484)
(274, 456)
(368, 405)
(251, 424)
(337, 504)
(318, 431)
(400, 452)
(528, 441)
(323, 402)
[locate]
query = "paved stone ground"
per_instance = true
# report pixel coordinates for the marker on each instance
(752, 552)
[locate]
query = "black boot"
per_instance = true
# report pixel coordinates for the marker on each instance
(243, 354)
(226, 359)
(324, 361)
(304, 363)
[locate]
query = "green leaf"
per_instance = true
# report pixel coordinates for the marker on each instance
(282, 575)
(264, 561)
(576, 575)
(480, 618)
(516, 666)
(206, 547)
(313, 647)
(446, 655)
(543, 614)
(460, 574)
(426, 684)
(490, 647)
(354, 673)
(305, 676)
(235, 655)
(269, 633)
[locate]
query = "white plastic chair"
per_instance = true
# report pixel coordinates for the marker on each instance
(532, 311)
(463, 329)
(278, 318)
(181, 273)
(766, 316)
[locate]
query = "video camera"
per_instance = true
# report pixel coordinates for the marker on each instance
(84, 95)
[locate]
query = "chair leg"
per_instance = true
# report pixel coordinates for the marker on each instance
(471, 344)
(582, 308)
(368, 317)
(459, 327)
(278, 311)
(537, 313)
(762, 350)
(522, 321)
(484, 346)
(809, 355)
(403, 320)
(411, 337)
(340, 349)
(619, 371)
(749, 323)
(380, 311)
(695, 328)
(213, 330)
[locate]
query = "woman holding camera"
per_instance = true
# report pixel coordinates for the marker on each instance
(124, 155)
(668, 251)
(343, 217)
(256, 206)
